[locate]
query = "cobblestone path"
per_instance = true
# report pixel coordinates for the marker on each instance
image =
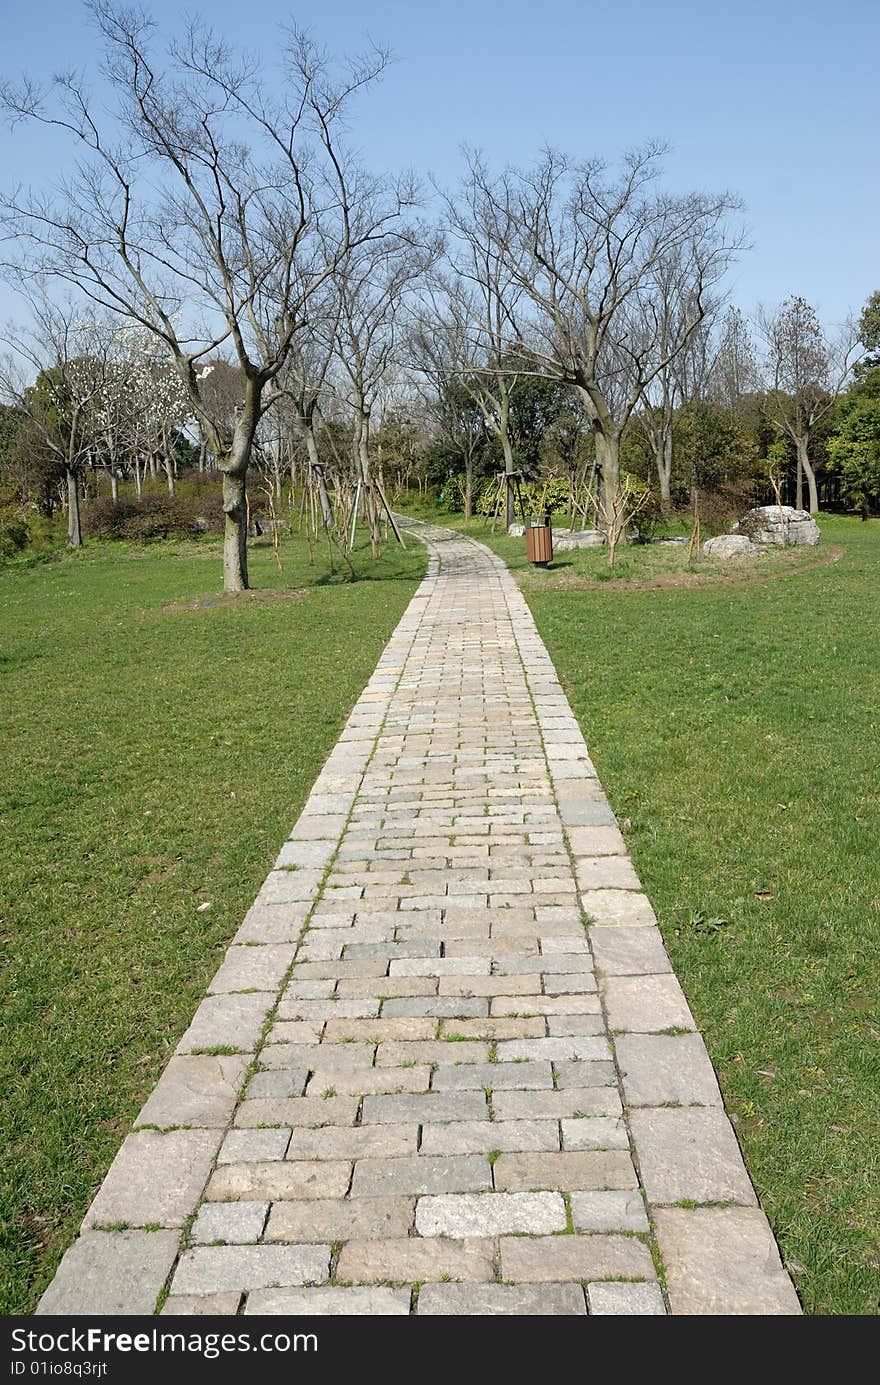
(419, 1084)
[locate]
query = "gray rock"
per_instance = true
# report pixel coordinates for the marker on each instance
(779, 525)
(566, 539)
(727, 546)
(689, 1154)
(516, 531)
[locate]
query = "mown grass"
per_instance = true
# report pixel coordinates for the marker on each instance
(153, 761)
(736, 728)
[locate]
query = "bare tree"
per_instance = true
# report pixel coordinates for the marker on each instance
(439, 376)
(373, 286)
(734, 374)
(57, 375)
(685, 355)
(201, 189)
(481, 293)
(587, 252)
(805, 371)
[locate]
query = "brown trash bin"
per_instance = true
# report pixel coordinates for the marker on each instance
(539, 544)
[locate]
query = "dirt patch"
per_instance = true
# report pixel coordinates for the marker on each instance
(248, 598)
(735, 573)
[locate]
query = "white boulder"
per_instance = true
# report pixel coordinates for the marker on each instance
(778, 525)
(729, 546)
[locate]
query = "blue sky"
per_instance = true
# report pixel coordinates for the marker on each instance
(773, 100)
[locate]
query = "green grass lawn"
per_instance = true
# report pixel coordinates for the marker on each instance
(153, 761)
(736, 728)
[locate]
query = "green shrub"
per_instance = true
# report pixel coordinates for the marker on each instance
(14, 533)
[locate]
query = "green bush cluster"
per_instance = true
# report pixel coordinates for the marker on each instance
(154, 516)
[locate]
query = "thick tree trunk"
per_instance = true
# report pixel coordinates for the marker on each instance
(234, 466)
(235, 570)
(805, 468)
(169, 476)
(608, 461)
(664, 469)
(74, 522)
(114, 485)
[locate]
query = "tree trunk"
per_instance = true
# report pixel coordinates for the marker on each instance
(234, 466)
(363, 455)
(74, 523)
(114, 485)
(664, 470)
(318, 472)
(805, 468)
(510, 505)
(468, 489)
(169, 475)
(608, 461)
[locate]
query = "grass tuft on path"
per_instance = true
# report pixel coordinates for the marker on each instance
(154, 760)
(736, 727)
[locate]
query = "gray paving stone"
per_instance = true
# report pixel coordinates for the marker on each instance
(594, 1132)
(253, 968)
(440, 1106)
(501, 1300)
(221, 1269)
(421, 1174)
(723, 1260)
(622, 1300)
(645, 1004)
(330, 1302)
(354, 1142)
(608, 1211)
(659, 1068)
(499, 1076)
(156, 1179)
(416, 1260)
(297, 1111)
(483, 1137)
(275, 1179)
(490, 1214)
(253, 1146)
(341, 1219)
(278, 1082)
(228, 1021)
(617, 907)
(554, 1259)
(195, 1091)
(199, 1305)
(234, 1223)
(689, 1153)
(456, 1007)
(629, 951)
(555, 1050)
(567, 1171)
(567, 1101)
(111, 1272)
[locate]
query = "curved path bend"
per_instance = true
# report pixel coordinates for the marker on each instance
(419, 1084)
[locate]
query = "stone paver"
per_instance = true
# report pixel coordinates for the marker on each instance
(442, 1066)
